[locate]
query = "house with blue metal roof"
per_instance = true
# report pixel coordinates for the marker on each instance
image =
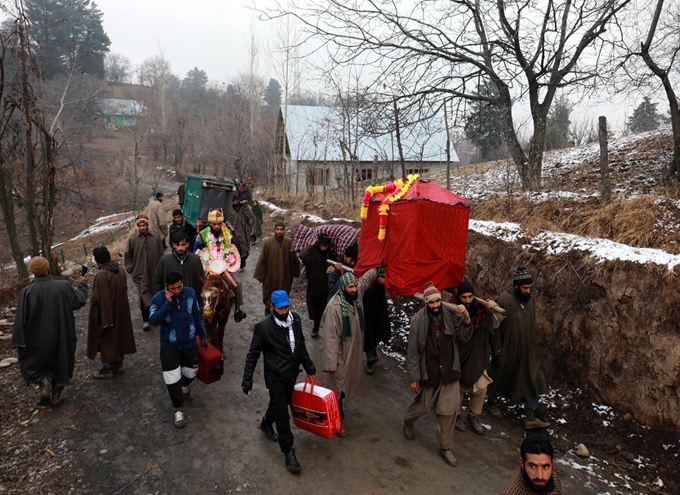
(325, 147)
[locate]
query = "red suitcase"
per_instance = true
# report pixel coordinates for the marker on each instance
(315, 408)
(210, 364)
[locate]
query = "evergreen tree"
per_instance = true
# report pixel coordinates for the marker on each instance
(67, 35)
(195, 82)
(272, 95)
(645, 117)
(558, 123)
(483, 127)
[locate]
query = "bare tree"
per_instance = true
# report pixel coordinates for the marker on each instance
(659, 48)
(117, 68)
(526, 50)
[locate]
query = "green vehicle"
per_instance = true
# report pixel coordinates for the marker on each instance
(203, 193)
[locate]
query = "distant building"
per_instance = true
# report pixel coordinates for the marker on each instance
(120, 113)
(321, 146)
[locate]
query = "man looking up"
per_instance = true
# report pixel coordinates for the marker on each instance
(536, 476)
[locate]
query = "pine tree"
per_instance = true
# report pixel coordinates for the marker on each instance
(483, 127)
(558, 123)
(645, 117)
(67, 35)
(272, 95)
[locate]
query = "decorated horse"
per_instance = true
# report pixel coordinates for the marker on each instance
(218, 297)
(218, 291)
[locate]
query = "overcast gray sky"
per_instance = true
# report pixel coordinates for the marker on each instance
(213, 35)
(209, 34)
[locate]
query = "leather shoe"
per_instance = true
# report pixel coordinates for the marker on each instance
(44, 392)
(268, 430)
(292, 464)
(448, 457)
(239, 315)
(409, 432)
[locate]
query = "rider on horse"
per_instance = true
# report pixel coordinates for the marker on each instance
(214, 245)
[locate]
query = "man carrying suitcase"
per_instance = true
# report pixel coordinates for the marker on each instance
(279, 336)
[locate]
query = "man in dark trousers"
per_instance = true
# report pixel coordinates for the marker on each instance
(279, 336)
(536, 475)
(314, 258)
(45, 331)
(519, 374)
(474, 356)
(176, 311)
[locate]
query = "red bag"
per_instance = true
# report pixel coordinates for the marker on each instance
(315, 408)
(210, 363)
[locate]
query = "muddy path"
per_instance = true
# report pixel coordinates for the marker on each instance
(121, 438)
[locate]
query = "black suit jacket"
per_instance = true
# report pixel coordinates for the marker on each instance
(280, 363)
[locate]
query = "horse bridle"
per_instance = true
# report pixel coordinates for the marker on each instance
(208, 311)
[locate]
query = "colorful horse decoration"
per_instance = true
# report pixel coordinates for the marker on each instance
(219, 261)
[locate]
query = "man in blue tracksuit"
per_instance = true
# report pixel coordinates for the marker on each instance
(176, 311)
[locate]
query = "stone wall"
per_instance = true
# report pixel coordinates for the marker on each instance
(611, 328)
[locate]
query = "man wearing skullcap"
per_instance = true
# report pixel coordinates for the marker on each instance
(518, 371)
(433, 366)
(277, 265)
(142, 252)
(343, 337)
(474, 356)
(156, 214)
(45, 331)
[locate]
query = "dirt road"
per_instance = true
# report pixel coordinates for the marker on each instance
(121, 433)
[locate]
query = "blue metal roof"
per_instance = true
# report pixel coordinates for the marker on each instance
(314, 134)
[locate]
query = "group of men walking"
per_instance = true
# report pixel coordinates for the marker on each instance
(455, 348)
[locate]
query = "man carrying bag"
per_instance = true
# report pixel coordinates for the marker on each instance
(279, 336)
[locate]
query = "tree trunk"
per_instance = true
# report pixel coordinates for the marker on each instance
(398, 133)
(532, 179)
(448, 150)
(606, 191)
(514, 147)
(7, 206)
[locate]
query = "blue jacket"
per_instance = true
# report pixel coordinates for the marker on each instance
(179, 320)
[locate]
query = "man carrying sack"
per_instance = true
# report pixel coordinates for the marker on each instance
(279, 336)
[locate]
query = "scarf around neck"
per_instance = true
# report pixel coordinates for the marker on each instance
(346, 279)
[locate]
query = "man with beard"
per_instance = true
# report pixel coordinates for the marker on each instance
(433, 366)
(536, 474)
(314, 258)
(45, 331)
(216, 241)
(142, 252)
(109, 325)
(474, 356)
(518, 370)
(277, 265)
(279, 336)
(180, 260)
(180, 223)
(343, 337)
(242, 219)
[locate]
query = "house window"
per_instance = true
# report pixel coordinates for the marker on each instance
(318, 176)
(410, 171)
(365, 173)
